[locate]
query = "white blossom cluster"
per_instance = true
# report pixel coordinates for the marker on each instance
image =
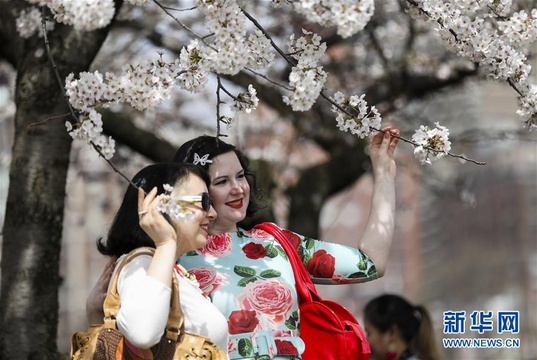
(350, 16)
(527, 107)
(431, 144)
(226, 20)
(84, 15)
(307, 77)
(246, 101)
(195, 60)
(176, 210)
(492, 39)
(482, 31)
(234, 49)
(90, 128)
(520, 28)
(143, 87)
(260, 54)
(29, 23)
(353, 115)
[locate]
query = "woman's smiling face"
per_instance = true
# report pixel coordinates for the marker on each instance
(230, 192)
(192, 234)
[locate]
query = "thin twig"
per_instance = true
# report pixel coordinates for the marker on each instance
(72, 111)
(280, 51)
(331, 101)
(226, 91)
(513, 85)
(113, 166)
(218, 102)
(50, 118)
(171, 8)
(292, 62)
(269, 80)
(53, 63)
(509, 80)
(165, 9)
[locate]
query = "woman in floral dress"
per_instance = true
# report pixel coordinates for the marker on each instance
(247, 273)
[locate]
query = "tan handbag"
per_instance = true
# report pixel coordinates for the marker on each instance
(105, 341)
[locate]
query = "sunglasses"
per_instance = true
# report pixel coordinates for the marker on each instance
(203, 198)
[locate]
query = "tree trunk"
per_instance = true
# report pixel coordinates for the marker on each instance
(40, 159)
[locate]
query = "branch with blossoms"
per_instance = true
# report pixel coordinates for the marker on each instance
(242, 102)
(227, 50)
(176, 210)
(307, 80)
(354, 116)
(96, 141)
(495, 44)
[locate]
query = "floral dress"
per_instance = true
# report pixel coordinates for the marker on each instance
(250, 280)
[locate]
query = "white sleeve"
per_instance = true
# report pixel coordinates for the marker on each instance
(145, 303)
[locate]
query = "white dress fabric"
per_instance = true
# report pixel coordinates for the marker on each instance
(145, 303)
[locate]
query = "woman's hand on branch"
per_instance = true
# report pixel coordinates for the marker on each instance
(381, 151)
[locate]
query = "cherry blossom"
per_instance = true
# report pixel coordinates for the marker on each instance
(432, 144)
(307, 76)
(246, 102)
(494, 34)
(354, 116)
(177, 210)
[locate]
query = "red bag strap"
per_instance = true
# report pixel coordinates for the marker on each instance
(304, 286)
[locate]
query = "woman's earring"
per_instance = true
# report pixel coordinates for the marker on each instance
(391, 353)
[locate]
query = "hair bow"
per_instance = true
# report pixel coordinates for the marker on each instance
(201, 160)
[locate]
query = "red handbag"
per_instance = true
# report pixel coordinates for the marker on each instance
(328, 329)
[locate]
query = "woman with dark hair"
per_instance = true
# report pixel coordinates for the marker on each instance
(211, 147)
(169, 210)
(398, 330)
(247, 273)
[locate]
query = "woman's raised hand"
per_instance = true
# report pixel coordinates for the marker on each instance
(151, 219)
(381, 151)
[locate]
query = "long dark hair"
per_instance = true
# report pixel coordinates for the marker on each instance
(125, 233)
(212, 146)
(413, 322)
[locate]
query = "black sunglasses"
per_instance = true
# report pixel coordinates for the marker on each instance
(203, 198)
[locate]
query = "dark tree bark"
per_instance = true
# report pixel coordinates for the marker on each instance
(123, 130)
(40, 158)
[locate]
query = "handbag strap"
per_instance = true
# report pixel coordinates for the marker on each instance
(175, 324)
(304, 285)
(112, 302)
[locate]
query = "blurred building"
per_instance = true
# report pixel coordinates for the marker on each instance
(465, 235)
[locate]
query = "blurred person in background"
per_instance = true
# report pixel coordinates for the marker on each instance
(399, 330)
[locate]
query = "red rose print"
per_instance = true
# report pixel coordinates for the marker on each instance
(242, 321)
(322, 264)
(209, 279)
(217, 245)
(254, 251)
(286, 347)
(259, 234)
(340, 279)
(294, 239)
(271, 298)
